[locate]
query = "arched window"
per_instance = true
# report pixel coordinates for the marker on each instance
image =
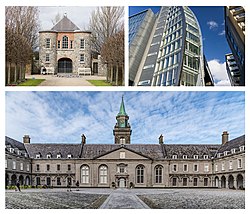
(85, 174)
(158, 174)
(140, 174)
(65, 42)
(122, 140)
(103, 174)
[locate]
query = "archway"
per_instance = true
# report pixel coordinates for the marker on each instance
(239, 181)
(21, 180)
(216, 181)
(27, 180)
(231, 182)
(223, 182)
(13, 180)
(122, 182)
(65, 65)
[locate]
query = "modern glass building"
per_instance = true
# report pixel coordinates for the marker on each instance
(175, 51)
(235, 34)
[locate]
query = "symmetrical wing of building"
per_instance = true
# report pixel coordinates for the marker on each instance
(165, 49)
(125, 164)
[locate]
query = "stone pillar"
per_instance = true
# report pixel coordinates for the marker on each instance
(235, 182)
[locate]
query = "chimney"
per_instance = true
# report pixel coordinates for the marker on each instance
(161, 139)
(224, 137)
(26, 139)
(83, 139)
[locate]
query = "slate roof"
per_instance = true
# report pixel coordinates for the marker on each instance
(14, 143)
(53, 149)
(232, 144)
(65, 25)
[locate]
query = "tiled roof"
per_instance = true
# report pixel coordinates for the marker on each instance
(14, 143)
(65, 25)
(53, 149)
(233, 144)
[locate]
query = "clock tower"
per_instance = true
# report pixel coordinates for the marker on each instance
(122, 130)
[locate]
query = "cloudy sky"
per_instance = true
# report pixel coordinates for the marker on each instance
(78, 15)
(182, 117)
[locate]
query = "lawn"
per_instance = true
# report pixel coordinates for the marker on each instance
(31, 82)
(99, 83)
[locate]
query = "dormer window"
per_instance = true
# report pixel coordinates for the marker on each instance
(58, 155)
(25, 155)
(18, 152)
(11, 150)
(184, 156)
(69, 156)
(196, 156)
(232, 151)
(49, 156)
(225, 153)
(38, 156)
(218, 155)
(174, 157)
(242, 148)
(205, 156)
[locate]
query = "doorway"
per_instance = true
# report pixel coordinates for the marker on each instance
(65, 65)
(122, 183)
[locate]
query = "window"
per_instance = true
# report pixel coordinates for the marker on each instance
(174, 157)
(85, 174)
(37, 167)
(38, 156)
(69, 156)
(47, 43)
(58, 44)
(65, 44)
(196, 167)
(206, 167)
(239, 163)
(48, 167)
(225, 153)
(38, 181)
(14, 165)
(205, 156)
(48, 156)
(103, 174)
(82, 43)
(11, 150)
(58, 167)
(195, 182)
(242, 148)
(196, 156)
(122, 155)
(184, 181)
(232, 151)
(58, 181)
(175, 168)
(222, 166)
(69, 167)
(21, 166)
(6, 163)
(28, 168)
(185, 167)
(121, 169)
(71, 44)
(58, 156)
(216, 167)
(158, 174)
(184, 157)
(81, 57)
(230, 165)
(140, 174)
(218, 155)
(122, 140)
(174, 182)
(47, 58)
(205, 182)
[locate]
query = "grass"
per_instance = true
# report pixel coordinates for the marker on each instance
(99, 83)
(31, 82)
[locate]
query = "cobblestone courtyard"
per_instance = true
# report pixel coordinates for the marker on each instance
(134, 198)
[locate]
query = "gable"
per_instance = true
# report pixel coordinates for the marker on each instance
(122, 154)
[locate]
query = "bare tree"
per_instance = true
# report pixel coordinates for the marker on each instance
(104, 23)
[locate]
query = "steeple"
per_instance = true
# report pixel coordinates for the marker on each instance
(122, 130)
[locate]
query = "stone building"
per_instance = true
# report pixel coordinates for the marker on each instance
(126, 164)
(67, 49)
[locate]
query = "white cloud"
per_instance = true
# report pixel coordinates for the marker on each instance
(212, 25)
(219, 72)
(222, 33)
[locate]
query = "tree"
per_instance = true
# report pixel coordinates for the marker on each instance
(21, 38)
(104, 23)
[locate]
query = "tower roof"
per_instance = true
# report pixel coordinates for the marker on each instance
(122, 111)
(65, 25)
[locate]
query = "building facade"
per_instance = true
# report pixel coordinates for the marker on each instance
(67, 49)
(235, 35)
(125, 165)
(174, 52)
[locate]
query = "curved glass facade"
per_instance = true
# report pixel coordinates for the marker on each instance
(180, 56)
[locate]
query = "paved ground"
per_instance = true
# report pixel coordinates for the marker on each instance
(53, 80)
(126, 198)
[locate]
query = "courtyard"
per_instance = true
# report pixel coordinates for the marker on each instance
(125, 199)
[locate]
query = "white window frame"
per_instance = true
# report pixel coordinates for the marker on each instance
(49, 156)
(82, 43)
(242, 148)
(230, 165)
(85, 174)
(184, 156)
(82, 58)
(174, 156)
(38, 156)
(184, 167)
(21, 166)
(58, 156)
(69, 156)
(216, 167)
(47, 57)
(28, 167)
(206, 167)
(197, 167)
(103, 174)
(13, 164)
(48, 42)
(223, 166)
(232, 151)
(122, 155)
(176, 167)
(196, 156)
(205, 157)
(225, 153)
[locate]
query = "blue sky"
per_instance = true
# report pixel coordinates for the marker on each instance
(211, 21)
(182, 117)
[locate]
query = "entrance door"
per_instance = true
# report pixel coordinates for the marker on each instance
(122, 183)
(48, 181)
(65, 65)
